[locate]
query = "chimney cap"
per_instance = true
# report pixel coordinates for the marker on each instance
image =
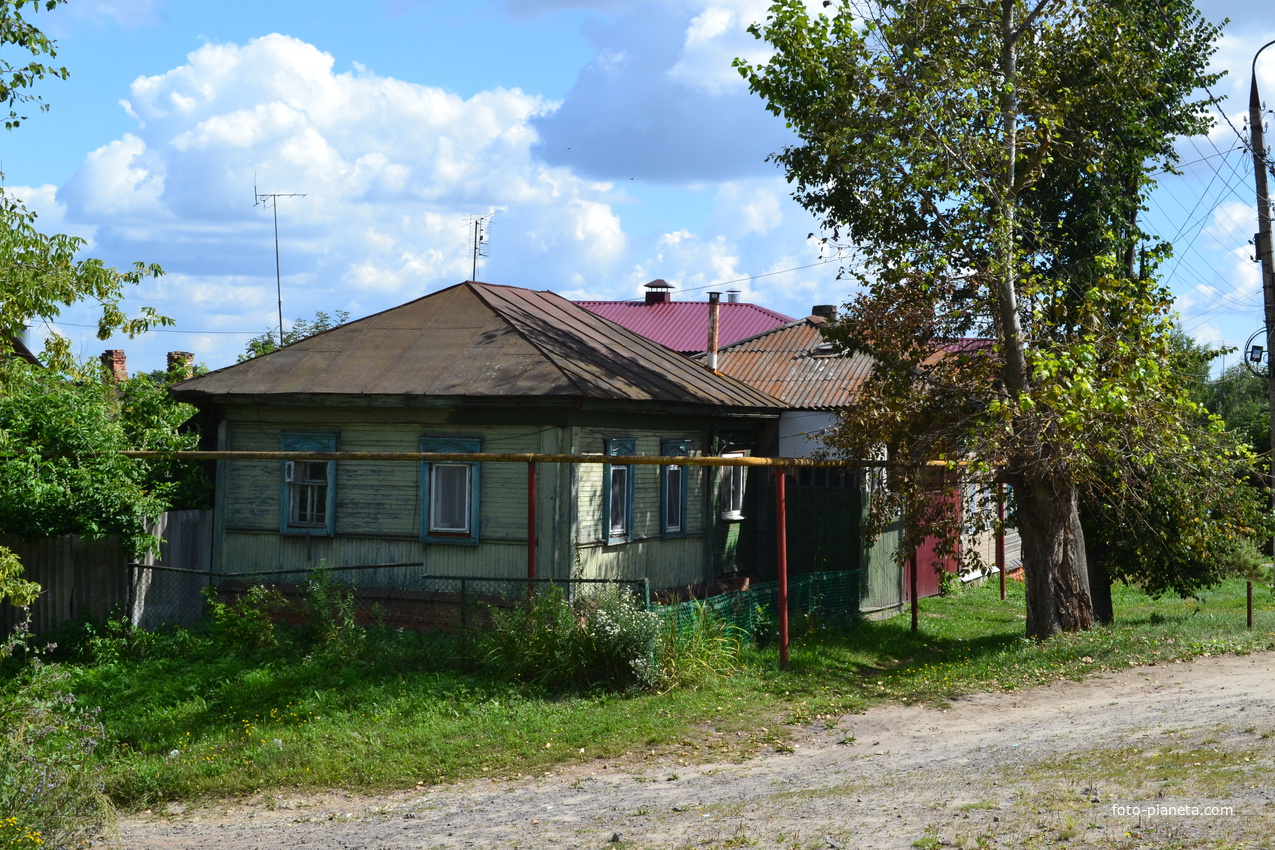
(658, 283)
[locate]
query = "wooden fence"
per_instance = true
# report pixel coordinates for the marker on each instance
(86, 577)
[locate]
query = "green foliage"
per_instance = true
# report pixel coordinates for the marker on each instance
(301, 329)
(50, 782)
(1239, 397)
(13, 587)
(708, 648)
(405, 713)
(605, 639)
(60, 471)
(16, 79)
(248, 622)
(331, 617)
(987, 163)
(39, 274)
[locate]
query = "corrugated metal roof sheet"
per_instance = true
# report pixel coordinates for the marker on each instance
(479, 340)
(786, 363)
(683, 325)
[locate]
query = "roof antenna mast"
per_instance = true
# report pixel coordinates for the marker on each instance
(478, 239)
(271, 199)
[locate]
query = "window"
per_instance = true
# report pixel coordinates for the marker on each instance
(673, 489)
(306, 495)
(617, 502)
(733, 480)
(449, 493)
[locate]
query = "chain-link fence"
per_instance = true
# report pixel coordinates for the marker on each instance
(400, 596)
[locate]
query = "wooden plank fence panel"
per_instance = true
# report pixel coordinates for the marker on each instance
(83, 577)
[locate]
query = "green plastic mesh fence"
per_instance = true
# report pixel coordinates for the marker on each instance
(832, 596)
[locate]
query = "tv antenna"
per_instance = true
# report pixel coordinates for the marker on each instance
(478, 239)
(271, 199)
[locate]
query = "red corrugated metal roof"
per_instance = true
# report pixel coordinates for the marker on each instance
(683, 325)
(788, 364)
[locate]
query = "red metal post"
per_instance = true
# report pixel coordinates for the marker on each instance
(1000, 535)
(531, 519)
(781, 535)
(916, 603)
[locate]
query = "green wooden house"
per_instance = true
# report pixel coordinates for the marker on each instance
(493, 369)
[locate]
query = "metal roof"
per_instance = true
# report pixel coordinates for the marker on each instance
(683, 325)
(478, 341)
(787, 363)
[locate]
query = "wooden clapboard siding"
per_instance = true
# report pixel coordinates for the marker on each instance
(248, 552)
(646, 482)
(676, 562)
(378, 509)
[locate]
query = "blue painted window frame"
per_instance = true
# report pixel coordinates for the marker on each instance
(451, 444)
(291, 441)
(617, 448)
(673, 448)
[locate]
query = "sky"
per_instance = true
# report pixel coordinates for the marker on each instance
(604, 143)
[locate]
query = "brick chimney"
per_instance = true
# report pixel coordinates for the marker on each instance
(113, 360)
(658, 291)
(827, 311)
(183, 361)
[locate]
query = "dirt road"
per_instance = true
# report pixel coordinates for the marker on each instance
(1175, 755)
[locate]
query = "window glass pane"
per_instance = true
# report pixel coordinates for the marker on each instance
(449, 497)
(308, 504)
(619, 500)
(735, 490)
(673, 498)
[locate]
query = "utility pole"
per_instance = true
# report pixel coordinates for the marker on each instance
(272, 200)
(1258, 143)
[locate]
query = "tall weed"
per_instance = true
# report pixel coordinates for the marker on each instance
(331, 616)
(50, 785)
(699, 647)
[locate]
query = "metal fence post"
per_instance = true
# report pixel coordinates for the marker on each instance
(464, 619)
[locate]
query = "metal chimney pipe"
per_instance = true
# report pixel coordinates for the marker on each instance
(714, 315)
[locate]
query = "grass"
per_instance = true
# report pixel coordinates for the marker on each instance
(187, 718)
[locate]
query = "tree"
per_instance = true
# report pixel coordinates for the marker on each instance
(60, 467)
(301, 329)
(1238, 396)
(987, 160)
(60, 428)
(39, 273)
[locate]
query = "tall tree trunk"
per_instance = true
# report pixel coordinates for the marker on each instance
(1054, 565)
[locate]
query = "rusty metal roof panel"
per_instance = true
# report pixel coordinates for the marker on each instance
(609, 359)
(790, 364)
(683, 325)
(479, 340)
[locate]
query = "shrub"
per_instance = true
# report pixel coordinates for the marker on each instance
(248, 622)
(331, 615)
(545, 638)
(50, 787)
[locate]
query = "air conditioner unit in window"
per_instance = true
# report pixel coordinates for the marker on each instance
(289, 471)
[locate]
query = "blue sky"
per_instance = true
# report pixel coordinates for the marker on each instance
(611, 139)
